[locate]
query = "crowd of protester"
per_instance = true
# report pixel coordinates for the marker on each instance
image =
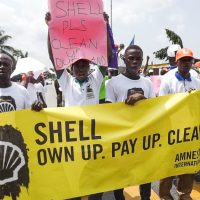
(80, 86)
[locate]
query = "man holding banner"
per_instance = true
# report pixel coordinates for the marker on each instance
(131, 87)
(13, 96)
(178, 82)
(78, 37)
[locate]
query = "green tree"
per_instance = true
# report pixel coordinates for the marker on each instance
(20, 54)
(14, 53)
(3, 39)
(174, 39)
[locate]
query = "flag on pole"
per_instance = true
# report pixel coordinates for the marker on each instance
(133, 41)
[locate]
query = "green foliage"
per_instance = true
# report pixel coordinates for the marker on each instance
(20, 54)
(14, 53)
(4, 39)
(174, 39)
(161, 54)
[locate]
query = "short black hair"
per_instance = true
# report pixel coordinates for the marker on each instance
(134, 47)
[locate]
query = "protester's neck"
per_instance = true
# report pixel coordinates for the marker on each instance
(184, 75)
(132, 76)
(81, 81)
(5, 84)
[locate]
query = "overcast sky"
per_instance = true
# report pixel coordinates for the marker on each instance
(147, 19)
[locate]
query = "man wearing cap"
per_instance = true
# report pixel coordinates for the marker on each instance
(171, 53)
(180, 81)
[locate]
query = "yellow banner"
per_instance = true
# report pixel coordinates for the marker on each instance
(61, 153)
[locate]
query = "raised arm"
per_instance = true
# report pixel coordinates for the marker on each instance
(58, 72)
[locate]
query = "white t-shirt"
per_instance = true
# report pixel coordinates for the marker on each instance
(81, 94)
(50, 95)
(32, 90)
(14, 98)
(41, 89)
(172, 85)
(120, 87)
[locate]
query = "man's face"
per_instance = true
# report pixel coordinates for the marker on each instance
(5, 66)
(133, 60)
(184, 65)
(81, 69)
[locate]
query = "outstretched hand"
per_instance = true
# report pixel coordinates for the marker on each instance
(37, 106)
(132, 99)
(47, 18)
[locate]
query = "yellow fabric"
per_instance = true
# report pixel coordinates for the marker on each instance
(171, 124)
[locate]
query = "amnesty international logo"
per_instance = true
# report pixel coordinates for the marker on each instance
(14, 172)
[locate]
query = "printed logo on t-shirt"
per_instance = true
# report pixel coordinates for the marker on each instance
(89, 92)
(7, 103)
(189, 89)
(134, 91)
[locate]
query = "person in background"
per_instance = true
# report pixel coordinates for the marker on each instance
(171, 53)
(110, 73)
(150, 72)
(28, 82)
(102, 93)
(163, 71)
(180, 81)
(131, 87)
(17, 78)
(197, 66)
(59, 94)
(34, 88)
(119, 48)
(41, 90)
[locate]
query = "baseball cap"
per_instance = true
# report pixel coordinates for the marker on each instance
(81, 59)
(171, 51)
(184, 52)
(197, 64)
